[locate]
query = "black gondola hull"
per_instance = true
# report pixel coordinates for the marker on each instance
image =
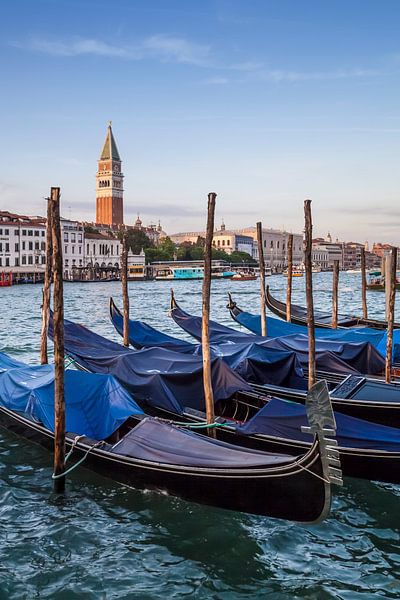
(298, 316)
(293, 491)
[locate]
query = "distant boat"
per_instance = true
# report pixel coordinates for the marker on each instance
(6, 279)
(249, 275)
(297, 271)
(376, 281)
(169, 273)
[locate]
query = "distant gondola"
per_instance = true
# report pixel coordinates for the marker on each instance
(322, 319)
(280, 327)
(153, 454)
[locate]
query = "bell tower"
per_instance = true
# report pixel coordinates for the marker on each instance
(109, 184)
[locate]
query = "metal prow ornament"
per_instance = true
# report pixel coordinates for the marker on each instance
(322, 423)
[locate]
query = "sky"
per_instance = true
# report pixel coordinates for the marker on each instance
(265, 102)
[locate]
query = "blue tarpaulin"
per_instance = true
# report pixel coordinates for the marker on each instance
(283, 419)
(253, 362)
(279, 328)
(95, 405)
(337, 357)
(142, 335)
(160, 377)
(162, 443)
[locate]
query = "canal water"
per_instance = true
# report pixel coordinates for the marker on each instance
(105, 541)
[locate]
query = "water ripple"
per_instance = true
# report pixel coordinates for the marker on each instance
(105, 541)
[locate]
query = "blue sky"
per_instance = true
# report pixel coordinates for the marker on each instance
(264, 102)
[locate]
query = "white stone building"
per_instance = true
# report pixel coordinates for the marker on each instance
(72, 235)
(275, 243)
(102, 251)
(22, 244)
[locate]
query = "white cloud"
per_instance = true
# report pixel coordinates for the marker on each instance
(161, 47)
(177, 49)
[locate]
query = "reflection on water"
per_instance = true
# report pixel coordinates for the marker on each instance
(107, 541)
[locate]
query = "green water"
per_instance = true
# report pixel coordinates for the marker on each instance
(106, 541)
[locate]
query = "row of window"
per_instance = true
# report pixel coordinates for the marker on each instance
(72, 237)
(103, 249)
(73, 249)
(25, 246)
(25, 260)
(29, 232)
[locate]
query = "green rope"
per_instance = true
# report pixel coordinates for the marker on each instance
(71, 362)
(64, 473)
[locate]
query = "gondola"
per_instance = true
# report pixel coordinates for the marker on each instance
(369, 450)
(108, 430)
(355, 394)
(331, 356)
(321, 318)
(280, 327)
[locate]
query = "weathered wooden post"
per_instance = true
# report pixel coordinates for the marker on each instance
(335, 293)
(387, 274)
(124, 281)
(289, 278)
(262, 278)
(390, 316)
(309, 292)
(47, 284)
(59, 404)
(205, 333)
(364, 285)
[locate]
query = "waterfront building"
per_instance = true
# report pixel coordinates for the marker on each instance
(22, 245)
(72, 235)
(102, 251)
(275, 243)
(109, 184)
(333, 249)
(230, 241)
(245, 240)
(320, 257)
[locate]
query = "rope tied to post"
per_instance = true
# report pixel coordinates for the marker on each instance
(74, 443)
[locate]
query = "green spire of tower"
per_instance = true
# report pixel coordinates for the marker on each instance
(110, 149)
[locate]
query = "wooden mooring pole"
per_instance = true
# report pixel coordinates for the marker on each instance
(388, 277)
(335, 294)
(124, 282)
(289, 278)
(46, 294)
(262, 278)
(309, 292)
(205, 333)
(364, 285)
(390, 316)
(59, 404)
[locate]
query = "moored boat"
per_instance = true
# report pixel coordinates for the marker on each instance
(321, 318)
(107, 430)
(369, 450)
(376, 281)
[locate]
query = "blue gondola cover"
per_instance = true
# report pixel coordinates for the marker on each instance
(251, 361)
(160, 377)
(338, 357)
(159, 442)
(283, 419)
(95, 405)
(279, 328)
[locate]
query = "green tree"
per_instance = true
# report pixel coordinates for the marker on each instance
(217, 254)
(137, 240)
(242, 257)
(90, 229)
(167, 247)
